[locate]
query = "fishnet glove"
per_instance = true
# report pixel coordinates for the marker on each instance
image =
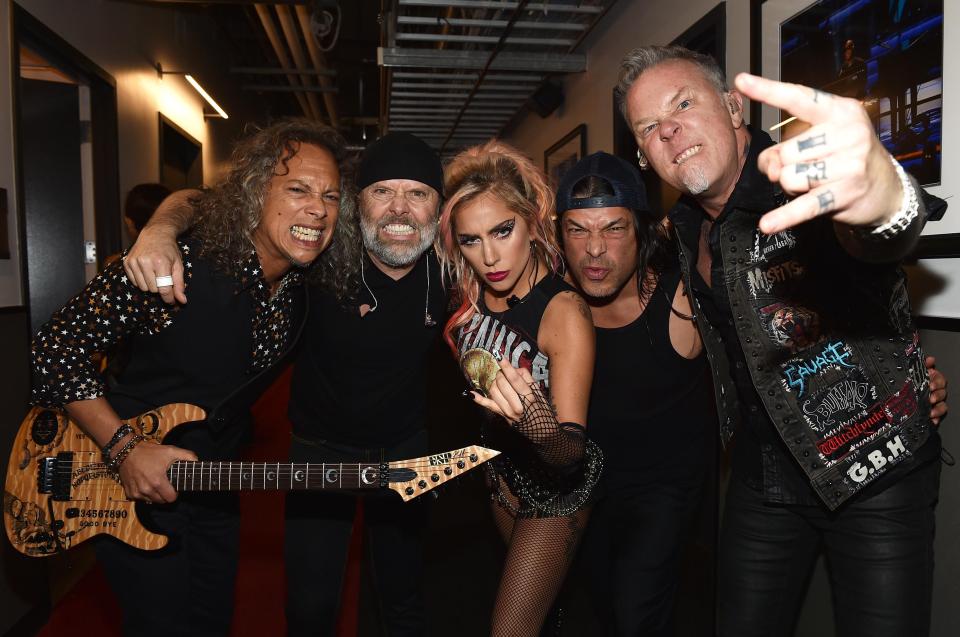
(558, 444)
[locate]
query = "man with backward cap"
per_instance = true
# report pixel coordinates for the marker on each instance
(359, 388)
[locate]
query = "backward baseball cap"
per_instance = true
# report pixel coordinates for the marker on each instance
(628, 188)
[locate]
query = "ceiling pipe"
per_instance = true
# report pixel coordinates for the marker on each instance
(266, 70)
(299, 57)
(264, 14)
(319, 63)
(447, 15)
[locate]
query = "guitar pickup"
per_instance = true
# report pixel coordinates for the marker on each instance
(46, 469)
(54, 474)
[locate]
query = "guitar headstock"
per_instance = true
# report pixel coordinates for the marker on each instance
(414, 477)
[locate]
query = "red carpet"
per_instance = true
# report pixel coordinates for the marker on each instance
(261, 588)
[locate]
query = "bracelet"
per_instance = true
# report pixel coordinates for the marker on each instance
(117, 460)
(105, 450)
(908, 211)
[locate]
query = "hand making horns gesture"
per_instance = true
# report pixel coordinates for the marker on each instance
(838, 167)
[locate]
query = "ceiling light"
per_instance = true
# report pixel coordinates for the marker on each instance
(199, 89)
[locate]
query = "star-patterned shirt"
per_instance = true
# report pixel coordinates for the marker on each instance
(112, 308)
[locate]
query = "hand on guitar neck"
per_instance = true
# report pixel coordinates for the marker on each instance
(144, 472)
(59, 493)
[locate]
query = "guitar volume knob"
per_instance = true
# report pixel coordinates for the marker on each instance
(448, 471)
(435, 477)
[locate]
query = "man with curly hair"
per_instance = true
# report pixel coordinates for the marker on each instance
(258, 231)
(359, 382)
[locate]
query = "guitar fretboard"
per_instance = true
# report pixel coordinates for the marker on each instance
(272, 476)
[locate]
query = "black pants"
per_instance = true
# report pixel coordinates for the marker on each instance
(879, 554)
(318, 529)
(187, 587)
(631, 552)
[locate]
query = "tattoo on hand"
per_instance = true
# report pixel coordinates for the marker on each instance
(812, 142)
(819, 95)
(815, 172)
(826, 201)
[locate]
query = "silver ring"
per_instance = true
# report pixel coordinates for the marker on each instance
(816, 172)
(165, 281)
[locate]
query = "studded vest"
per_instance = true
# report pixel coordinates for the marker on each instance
(829, 342)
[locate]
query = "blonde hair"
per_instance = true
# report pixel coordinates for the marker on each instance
(500, 170)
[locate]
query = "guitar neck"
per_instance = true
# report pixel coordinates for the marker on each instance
(274, 476)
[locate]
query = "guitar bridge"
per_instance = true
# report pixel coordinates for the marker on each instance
(53, 475)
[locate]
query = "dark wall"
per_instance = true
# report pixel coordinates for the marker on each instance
(23, 586)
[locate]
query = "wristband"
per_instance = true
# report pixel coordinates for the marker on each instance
(117, 460)
(105, 450)
(906, 214)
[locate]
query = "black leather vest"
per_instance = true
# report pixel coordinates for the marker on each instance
(829, 342)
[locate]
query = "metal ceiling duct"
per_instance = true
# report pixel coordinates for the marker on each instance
(458, 71)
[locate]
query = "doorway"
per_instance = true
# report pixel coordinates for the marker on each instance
(65, 118)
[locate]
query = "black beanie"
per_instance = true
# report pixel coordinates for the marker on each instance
(400, 156)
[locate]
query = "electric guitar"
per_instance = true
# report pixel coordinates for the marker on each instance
(59, 492)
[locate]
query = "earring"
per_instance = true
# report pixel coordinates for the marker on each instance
(642, 161)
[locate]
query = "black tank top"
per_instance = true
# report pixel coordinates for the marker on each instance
(650, 408)
(513, 333)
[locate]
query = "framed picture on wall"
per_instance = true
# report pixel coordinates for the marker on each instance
(561, 157)
(893, 56)
(889, 55)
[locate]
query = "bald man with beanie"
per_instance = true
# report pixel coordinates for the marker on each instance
(359, 383)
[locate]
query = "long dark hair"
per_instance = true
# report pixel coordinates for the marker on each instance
(656, 251)
(231, 210)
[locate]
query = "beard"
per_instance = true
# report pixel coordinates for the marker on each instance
(396, 254)
(604, 290)
(695, 180)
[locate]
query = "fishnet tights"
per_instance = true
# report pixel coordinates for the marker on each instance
(539, 552)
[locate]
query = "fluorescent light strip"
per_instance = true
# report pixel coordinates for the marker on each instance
(207, 97)
(783, 123)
